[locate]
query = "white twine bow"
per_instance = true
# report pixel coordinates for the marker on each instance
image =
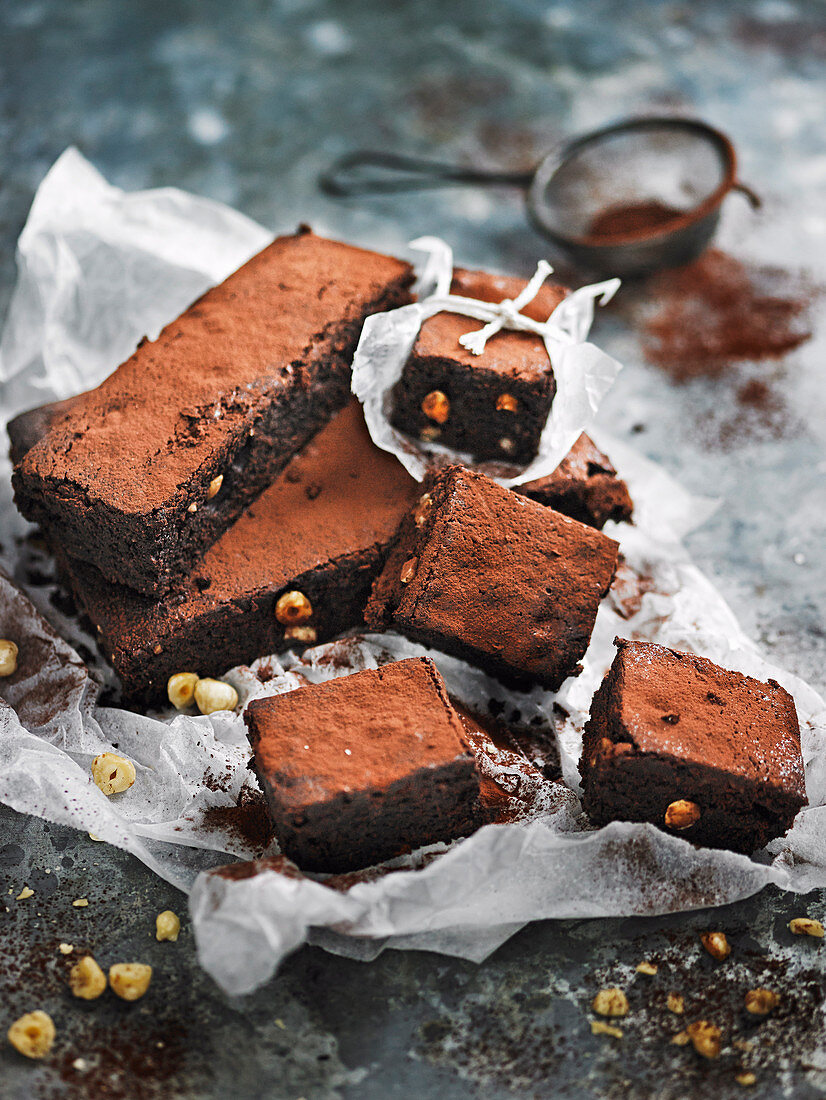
(569, 323)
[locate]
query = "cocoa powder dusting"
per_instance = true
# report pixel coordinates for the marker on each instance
(716, 312)
(631, 219)
(249, 820)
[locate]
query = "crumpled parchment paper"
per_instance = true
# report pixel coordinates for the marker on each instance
(99, 268)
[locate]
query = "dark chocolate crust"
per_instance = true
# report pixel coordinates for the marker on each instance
(584, 486)
(514, 366)
(494, 578)
(667, 726)
(232, 388)
(364, 767)
(323, 529)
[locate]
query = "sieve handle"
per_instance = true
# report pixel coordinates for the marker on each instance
(754, 199)
(373, 173)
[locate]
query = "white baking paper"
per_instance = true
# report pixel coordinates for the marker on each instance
(67, 328)
(583, 372)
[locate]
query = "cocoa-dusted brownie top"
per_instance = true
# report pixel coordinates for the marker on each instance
(365, 766)
(491, 576)
(584, 486)
(136, 440)
(669, 727)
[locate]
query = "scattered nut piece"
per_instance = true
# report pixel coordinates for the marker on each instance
(99, 839)
(680, 1039)
(436, 406)
(215, 486)
(805, 926)
(598, 1027)
(293, 607)
(157, 648)
(306, 634)
(646, 968)
(33, 1034)
(507, 445)
(193, 507)
(716, 944)
(180, 689)
(80, 1064)
(746, 1079)
(506, 402)
(408, 570)
(706, 1038)
(130, 980)
(86, 979)
(213, 695)
(430, 433)
(113, 773)
(742, 1044)
(681, 814)
(167, 926)
(80, 903)
(422, 509)
(610, 1002)
(675, 1002)
(65, 948)
(8, 657)
(760, 1002)
(26, 892)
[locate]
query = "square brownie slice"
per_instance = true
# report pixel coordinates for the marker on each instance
(364, 767)
(493, 405)
(295, 569)
(584, 486)
(142, 474)
(495, 578)
(711, 755)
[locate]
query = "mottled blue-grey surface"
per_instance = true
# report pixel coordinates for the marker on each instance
(246, 102)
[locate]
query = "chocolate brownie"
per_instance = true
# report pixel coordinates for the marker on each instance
(364, 767)
(294, 569)
(493, 405)
(141, 475)
(708, 754)
(584, 486)
(495, 578)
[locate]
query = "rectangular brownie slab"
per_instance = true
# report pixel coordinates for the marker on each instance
(495, 578)
(364, 767)
(296, 568)
(493, 405)
(584, 486)
(141, 475)
(704, 753)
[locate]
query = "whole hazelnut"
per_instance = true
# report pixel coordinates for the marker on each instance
(706, 1038)
(717, 945)
(214, 695)
(113, 773)
(436, 406)
(8, 657)
(610, 1002)
(130, 980)
(86, 979)
(506, 402)
(180, 688)
(33, 1034)
(760, 1002)
(681, 814)
(293, 607)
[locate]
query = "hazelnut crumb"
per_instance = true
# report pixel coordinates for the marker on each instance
(742, 1044)
(215, 486)
(65, 948)
(430, 433)
(717, 945)
(760, 1002)
(610, 1002)
(180, 689)
(80, 1064)
(408, 570)
(675, 1002)
(706, 1038)
(130, 980)
(86, 979)
(33, 1034)
(167, 926)
(746, 1079)
(599, 1027)
(306, 634)
(646, 968)
(422, 509)
(507, 445)
(215, 695)
(436, 406)
(805, 926)
(293, 607)
(113, 774)
(8, 657)
(26, 892)
(193, 507)
(681, 1039)
(80, 903)
(157, 648)
(506, 402)
(681, 814)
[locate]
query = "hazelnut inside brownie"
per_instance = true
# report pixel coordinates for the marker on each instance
(705, 753)
(493, 405)
(364, 767)
(495, 578)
